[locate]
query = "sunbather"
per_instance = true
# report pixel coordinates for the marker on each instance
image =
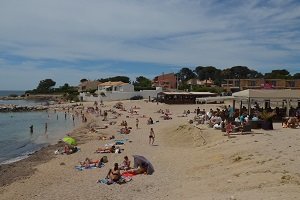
(126, 164)
(114, 174)
(89, 163)
(111, 149)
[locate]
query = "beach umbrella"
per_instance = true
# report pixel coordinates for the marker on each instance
(69, 140)
(143, 162)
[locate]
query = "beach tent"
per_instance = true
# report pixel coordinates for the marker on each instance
(270, 94)
(143, 162)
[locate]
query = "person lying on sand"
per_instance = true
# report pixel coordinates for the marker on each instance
(111, 149)
(106, 138)
(87, 163)
(140, 170)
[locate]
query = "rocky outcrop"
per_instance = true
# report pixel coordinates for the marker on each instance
(16, 108)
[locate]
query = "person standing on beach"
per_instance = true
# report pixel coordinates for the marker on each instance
(65, 115)
(151, 136)
(198, 111)
(105, 116)
(31, 129)
(137, 123)
(46, 127)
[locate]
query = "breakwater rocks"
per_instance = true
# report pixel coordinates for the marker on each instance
(16, 108)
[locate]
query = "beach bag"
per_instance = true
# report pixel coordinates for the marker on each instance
(104, 159)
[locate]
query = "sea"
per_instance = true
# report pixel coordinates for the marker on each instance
(18, 142)
(4, 93)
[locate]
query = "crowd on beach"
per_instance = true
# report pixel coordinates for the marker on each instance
(230, 120)
(120, 173)
(227, 119)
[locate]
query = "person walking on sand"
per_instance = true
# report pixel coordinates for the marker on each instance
(137, 123)
(151, 136)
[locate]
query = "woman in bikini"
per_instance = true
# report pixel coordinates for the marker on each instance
(114, 174)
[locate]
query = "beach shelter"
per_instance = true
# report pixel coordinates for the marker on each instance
(269, 94)
(69, 140)
(143, 162)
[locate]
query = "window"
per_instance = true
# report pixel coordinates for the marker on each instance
(274, 83)
(290, 84)
(237, 83)
(252, 83)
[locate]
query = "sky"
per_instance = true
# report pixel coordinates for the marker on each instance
(67, 40)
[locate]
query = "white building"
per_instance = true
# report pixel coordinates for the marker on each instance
(115, 87)
(116, 91)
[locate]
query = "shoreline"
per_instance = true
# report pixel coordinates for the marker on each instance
(24, 168)
(190, 162)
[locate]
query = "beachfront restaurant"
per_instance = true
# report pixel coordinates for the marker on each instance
(182, 97)
(285, 98)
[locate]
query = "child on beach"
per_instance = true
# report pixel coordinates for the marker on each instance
(229, 128)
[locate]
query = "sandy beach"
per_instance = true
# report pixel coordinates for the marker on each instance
(191, 162)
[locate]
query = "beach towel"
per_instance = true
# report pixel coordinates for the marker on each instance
(121, 142)
(81, 168)
(107, 181)
(128, 174)
(103, 151)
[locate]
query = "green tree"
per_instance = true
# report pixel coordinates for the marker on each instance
(278, 73)
(45, 86)
(83, 80)
(185, 74)
(240, 72)
(296, 76)
(204, 73)
(142, 81)
(124, 79)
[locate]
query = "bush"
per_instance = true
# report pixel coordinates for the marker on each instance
(136, 98)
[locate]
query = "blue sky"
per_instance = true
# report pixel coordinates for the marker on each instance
(67, 40)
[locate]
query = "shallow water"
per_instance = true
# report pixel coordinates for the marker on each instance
(16, 140)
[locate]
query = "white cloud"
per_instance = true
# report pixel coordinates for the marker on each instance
(220, 33)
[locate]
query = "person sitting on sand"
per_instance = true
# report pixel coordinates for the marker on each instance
(69, 149)
(125, 130)
(125, 164)
(111, 149)
(150, 121)
(114, 174)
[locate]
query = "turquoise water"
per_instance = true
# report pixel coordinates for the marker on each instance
(16, 140)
